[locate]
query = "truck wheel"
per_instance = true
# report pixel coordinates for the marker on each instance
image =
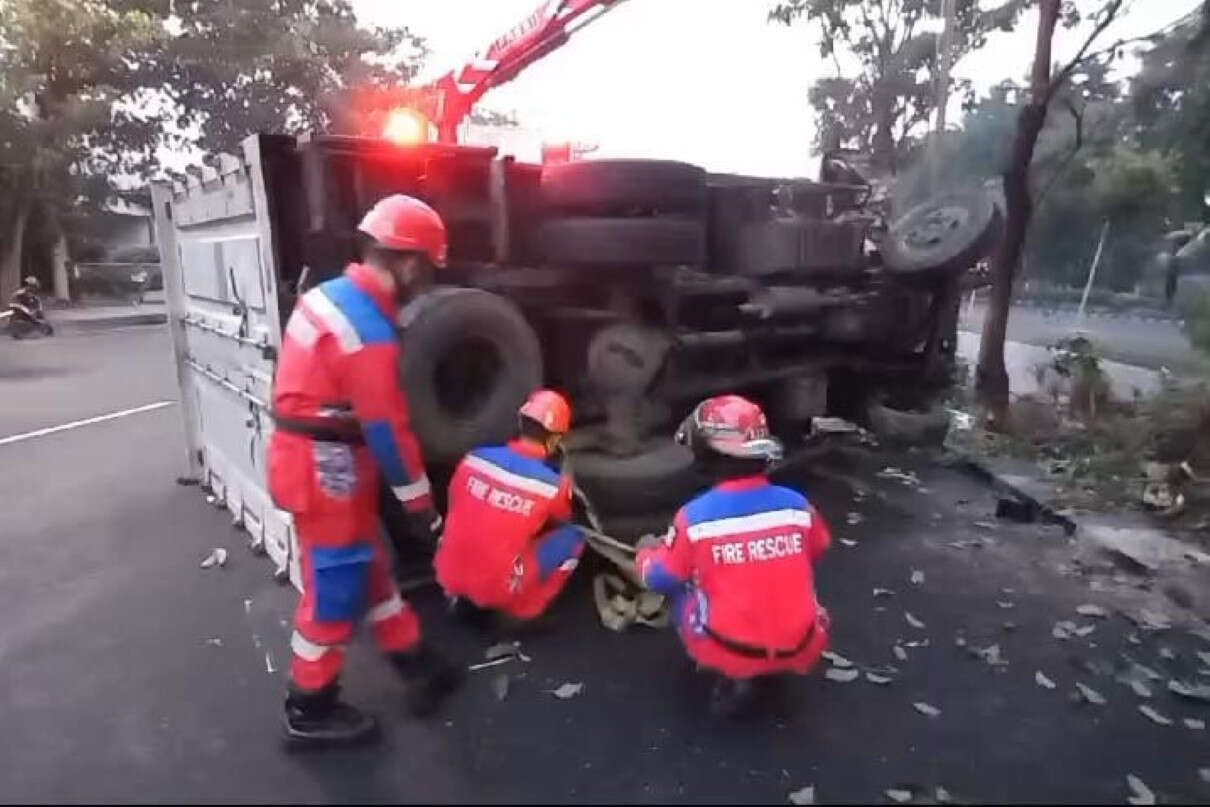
(661, 477)
(598, 187)
(623, 242)
(948, 234)
(469, 359)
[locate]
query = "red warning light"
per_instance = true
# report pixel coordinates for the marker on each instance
(406, 127)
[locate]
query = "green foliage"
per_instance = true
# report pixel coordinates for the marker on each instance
(886, 105)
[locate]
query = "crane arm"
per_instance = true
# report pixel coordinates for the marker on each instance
(543, 31)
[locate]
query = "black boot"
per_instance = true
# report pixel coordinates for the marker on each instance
(321, 720)
(732, 697)
(471, 615)
(429, 678)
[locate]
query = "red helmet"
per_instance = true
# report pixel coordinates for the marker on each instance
(548, 409)
(405, 224)
(732, 426)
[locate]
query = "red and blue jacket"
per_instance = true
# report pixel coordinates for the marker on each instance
(507, 507)
(743, 552)
(339, 361)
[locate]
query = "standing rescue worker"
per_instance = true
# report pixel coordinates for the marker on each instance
(737, 561)
(341, 420)
(507, 546)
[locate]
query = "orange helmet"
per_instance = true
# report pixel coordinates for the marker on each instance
(548, 409)
(405, 224)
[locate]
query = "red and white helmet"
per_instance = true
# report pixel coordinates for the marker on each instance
(548, 409)
(732, 426)
(405, 224)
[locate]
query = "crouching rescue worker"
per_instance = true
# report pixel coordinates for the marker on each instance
(507, 546)
(341, 420)
(737, 561)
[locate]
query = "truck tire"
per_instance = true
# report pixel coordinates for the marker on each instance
(661, 477)
(468, 361)
(598, 187)
(947, 234)
(623, 242)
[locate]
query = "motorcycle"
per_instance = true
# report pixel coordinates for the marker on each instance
(24, 320)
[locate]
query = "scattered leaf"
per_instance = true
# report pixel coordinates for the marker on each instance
(1063, 630)
(568, 690)
(1042, 681)
(1140, 689)
(841, 676)
(1005, 604)
(1168, 653)
(883, 592)
(1204, 773)
(899, 652)
(501, 650)
(848, 542)
(986, 525)
(1142, 794)
(1009, 626)
(217, 642)
(1092, 610)
(875, 678)
(1152, 620)
(217, 557)
(990, 655)
(917, 643)
(1084, 630)
(898, 796)
(854, 519)
(913, 621)
(836, 660)
(1204, 657)
(1155, 716)
(917, 577)
(804, 796)
(959, 641)
(1194, 724)
(943, 796)
(500, 686)
(493, 663)
(1091, 695)
(928, 710)
(1196, 692)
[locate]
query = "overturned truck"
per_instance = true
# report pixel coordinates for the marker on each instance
(635, 286)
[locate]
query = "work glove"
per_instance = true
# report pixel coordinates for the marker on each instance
(426, 526)
(649, 541)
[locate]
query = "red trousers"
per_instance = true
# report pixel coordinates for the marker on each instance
(346, 579)
(709, 653)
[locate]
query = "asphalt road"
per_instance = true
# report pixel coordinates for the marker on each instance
(127, 673)
(1131, 340)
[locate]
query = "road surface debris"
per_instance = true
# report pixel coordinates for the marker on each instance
(841, 676)
(1089, 609)
(1140, 689)
(1154, 716)
(836, 660)
(1090, 695)
(917, 577)
(1042, 681)
(912, 620)
(875, 678)
(217, 557)
(499, 685)
(1195, 692)
(1141, 793)
(1194, 724)
(805, 795)
(898, 795)
(926, 709)
(899, 652)
(568, 690)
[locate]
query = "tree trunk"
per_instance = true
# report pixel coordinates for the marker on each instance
(991, 376)
(62, 289)
(10, 261)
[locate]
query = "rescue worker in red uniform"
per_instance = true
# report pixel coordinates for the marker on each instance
(341, 420)
(737, 562)
(507, 546)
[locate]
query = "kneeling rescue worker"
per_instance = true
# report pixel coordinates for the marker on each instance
(341, 419)
(506, 545)
(737, 561)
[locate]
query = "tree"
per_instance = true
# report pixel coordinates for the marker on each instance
(64, 65)
(991, 377)
(889, 101)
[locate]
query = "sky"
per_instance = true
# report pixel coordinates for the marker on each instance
(706, 81)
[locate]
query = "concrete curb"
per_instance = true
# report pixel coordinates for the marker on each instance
(1015, 487)
(90, 324)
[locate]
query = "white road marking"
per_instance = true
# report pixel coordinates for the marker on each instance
(75, 424)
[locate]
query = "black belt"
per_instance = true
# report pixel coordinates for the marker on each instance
(754, 651)
(325, 429)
